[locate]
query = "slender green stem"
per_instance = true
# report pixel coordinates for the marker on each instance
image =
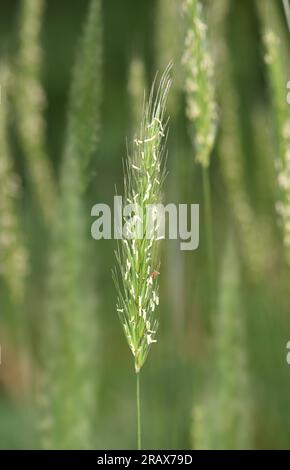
(287, 12)
(208, 225)
(138, 410)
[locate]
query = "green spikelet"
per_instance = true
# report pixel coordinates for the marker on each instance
(199, 84)
(276, 60)
(222, 419)
(201, 110)
(68, 398)
(30, 102)
(85, 97)
(13, 256)
(138, 258)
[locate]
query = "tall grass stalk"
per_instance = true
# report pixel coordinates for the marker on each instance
(232, 166)
(208, 222)
(200, 104)
(13, 255)
(276, 60)
(226, 400)
(86, 94)
(30, 105)
(68, 398)
(252, 244)
(136, 277)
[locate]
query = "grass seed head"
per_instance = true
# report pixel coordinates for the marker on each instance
(199, 85)
(138, 259)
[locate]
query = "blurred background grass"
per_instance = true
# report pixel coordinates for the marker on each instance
(182, 362)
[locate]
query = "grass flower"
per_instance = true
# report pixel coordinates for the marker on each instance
(201, 108)
(199, 82)
(276, 59)
(138, 258)
(86, 94)
(13, 256)
(68, 397)
(30, 104)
